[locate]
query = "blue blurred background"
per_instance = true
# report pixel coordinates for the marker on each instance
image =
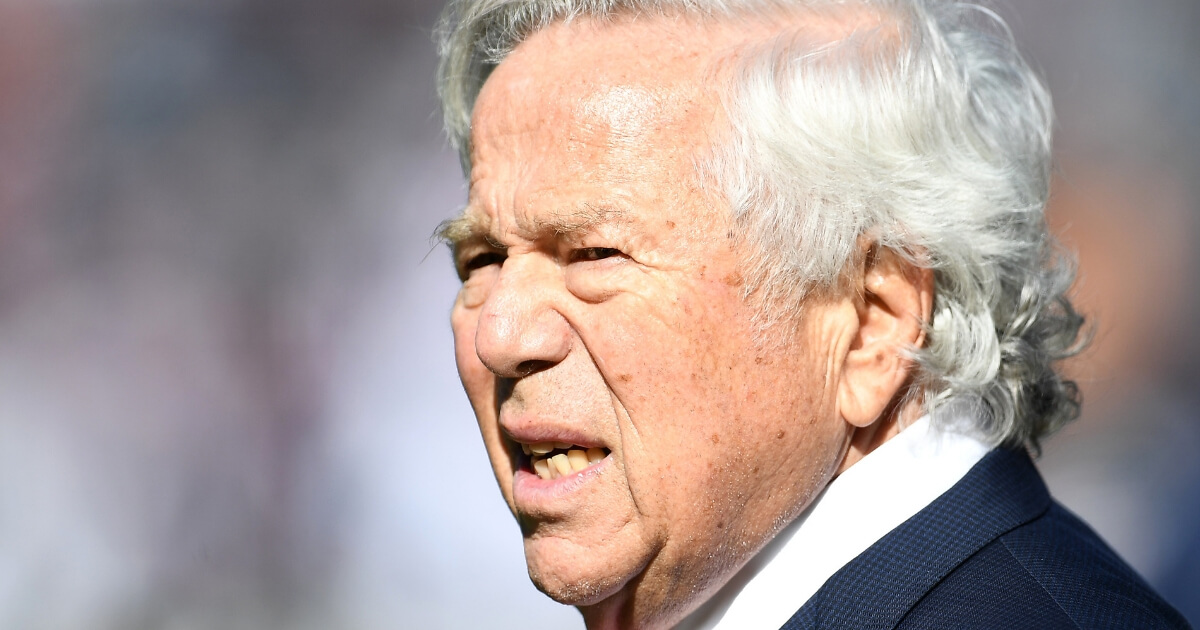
(227, 395)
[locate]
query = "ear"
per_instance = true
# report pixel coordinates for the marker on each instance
(895, 302)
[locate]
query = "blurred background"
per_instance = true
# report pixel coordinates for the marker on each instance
(227, 395)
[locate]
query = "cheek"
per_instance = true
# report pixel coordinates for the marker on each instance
(477, 380)
(480, 385)
(677, 369)
(688, 348)
(706, 406)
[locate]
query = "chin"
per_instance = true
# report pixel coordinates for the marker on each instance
(574, 583)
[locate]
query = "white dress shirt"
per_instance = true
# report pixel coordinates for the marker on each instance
(881, 491)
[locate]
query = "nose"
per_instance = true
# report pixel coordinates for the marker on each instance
(520, 331)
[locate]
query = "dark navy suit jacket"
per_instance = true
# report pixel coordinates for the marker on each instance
(994, 551)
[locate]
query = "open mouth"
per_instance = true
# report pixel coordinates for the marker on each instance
(551, 460)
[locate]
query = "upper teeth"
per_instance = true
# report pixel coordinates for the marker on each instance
(549, 466)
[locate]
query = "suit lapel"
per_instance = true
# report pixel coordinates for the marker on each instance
(876, 589)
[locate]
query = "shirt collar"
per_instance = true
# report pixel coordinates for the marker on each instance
(881, 491)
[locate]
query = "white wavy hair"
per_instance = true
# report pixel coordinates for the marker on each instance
(928, 135)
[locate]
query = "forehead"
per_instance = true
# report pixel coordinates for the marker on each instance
(587, 108)
(609, 81)
(624, 107)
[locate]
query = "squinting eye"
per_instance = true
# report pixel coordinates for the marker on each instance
(594, 253)
(483, 260)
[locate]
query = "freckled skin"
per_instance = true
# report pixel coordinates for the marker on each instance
(715, 442)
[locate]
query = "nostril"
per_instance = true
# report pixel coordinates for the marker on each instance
(525, 368)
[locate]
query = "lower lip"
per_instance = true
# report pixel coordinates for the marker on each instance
(528, 488)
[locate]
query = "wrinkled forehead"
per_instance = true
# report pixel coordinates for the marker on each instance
(603, 84)
(622, 76)
(589, 114)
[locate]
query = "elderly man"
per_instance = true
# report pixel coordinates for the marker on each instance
(759, 313)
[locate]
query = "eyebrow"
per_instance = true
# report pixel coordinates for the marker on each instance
(456, 231)
(466, 227)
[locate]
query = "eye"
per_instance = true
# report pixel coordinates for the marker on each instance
(593, 253)
(482, 260)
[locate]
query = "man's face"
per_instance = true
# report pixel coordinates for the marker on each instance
(602, 309)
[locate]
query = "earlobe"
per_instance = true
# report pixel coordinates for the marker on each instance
(895, 302)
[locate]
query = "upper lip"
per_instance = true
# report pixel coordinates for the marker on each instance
(532, 431)
(550, 435)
